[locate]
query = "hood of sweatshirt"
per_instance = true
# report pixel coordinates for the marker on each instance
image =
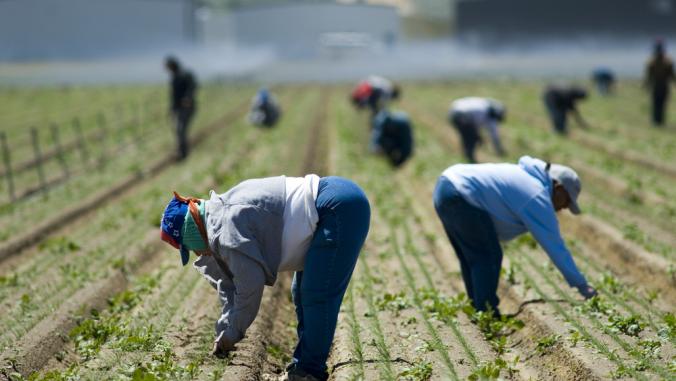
(536, 168)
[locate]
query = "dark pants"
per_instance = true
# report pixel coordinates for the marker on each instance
(182, 118)
(344, 218)
(469, 135)
(557, 115)
(476, 244)
(659, 98)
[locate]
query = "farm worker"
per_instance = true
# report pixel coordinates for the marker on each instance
(310, 225)
(604, 79)
(375, 92)
(392, 135)
(470, 114)
(561, 100)
(482, 204)
(264, 109)
(182, 97)
(659, 74)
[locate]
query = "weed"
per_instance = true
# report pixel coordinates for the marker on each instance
(669, 328)
(546, 343)
(610, 284)
(575, 337)
(11, 280)
(277, 353)
(59, 245)
(495, 329)
(421, 371)
(510, 273)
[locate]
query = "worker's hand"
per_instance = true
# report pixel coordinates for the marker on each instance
(587, 291)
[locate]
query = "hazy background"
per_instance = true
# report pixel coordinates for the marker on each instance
(87, 41)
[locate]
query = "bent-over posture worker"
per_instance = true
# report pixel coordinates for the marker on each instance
(182, 107)
(659, 75)
(245, 237)
(482, 204)
(265, 110)
(469, 115)
(604, 79)
(375, 92)
(392, 135)
(561, 100)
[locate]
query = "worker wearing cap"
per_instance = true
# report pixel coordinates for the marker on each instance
(310, 225)
(482, 204)
(468, 115)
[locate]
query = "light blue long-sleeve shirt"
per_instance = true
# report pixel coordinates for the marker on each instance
(519, 199)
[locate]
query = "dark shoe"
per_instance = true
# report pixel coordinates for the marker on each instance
(294, 373)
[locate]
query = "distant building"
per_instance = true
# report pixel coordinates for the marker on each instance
(39, 29)
(537, 19)
(306, 29)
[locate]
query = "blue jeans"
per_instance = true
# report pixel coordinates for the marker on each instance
(472, 234)
(344, 218)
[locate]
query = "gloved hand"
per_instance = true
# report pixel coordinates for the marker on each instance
(587, 291)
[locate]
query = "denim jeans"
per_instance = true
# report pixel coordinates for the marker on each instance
(469, 134)
(344, 218)
(182, 118)
(557, 115)
(472, 234)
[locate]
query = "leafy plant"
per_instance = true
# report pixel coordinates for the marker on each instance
(631, 325)
(546, 342)
(392, 302)
(421, 371)
(490, 370)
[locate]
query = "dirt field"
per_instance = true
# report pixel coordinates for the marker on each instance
(88, 291)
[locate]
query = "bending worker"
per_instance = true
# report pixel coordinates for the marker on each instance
(264, 109)
(183, 89)
(482, 204)
(604, 79)
(245, 237)
(470, 114)
(562, 100)
(658, 78)
(375, 93)
(392, 135)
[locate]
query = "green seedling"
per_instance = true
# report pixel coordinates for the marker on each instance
(392, 302)
(490, 371)
(496, 330)
(422, 371)
(669, 328)
(59, 245)
(546, 342)
(575, 337)
(277, 353)
(610, 284)
(632, 325)
(11, 280)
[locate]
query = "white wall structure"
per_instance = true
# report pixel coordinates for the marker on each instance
(308, 29)
(63, 29)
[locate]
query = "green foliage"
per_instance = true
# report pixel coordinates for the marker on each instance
(11, 280)
(59, 245)
(421, 371)
(631, 325)
(546, 342)
(442, 307)
(669, 328)
(496, 329)
(277, 353)
(490, 370)
(392, 302)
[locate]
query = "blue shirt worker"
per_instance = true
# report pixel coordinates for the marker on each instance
(468, 115)
(182, 101)
(265, 110)
(392, 135)
(480, 205)
(561, 101)
(243, 238)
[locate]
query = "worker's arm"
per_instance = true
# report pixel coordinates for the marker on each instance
(249, 282)
(579, 119)
(492, 126)
(540, 218)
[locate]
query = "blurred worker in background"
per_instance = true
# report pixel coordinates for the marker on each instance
(482, 204)
(310, 225)
(182, 98)
(604, 79)
(561, 100)
(659, 75)
(392, 135)
(469, 115)
(375, 93)
(264, 109)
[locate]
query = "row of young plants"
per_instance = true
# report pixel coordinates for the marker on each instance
(456, 354)
(151, 325)
(137, 156)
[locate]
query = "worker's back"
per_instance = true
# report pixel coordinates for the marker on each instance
(660, 72)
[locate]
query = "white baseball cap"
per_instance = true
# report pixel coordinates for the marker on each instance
(570, 181)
